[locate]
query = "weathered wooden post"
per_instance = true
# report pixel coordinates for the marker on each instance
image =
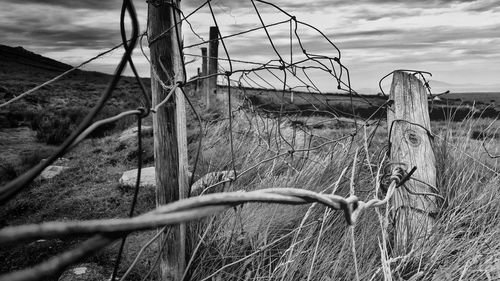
(198, 82)
(213, 49)
(410, 138)
(169, 126)
(204, 61)
(204, 71)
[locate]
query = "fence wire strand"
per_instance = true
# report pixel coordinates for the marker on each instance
(281, 78)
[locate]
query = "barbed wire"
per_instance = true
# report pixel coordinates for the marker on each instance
(276, 76)
(173, 213)
(13, 187)
(419, 72)
(493, 156)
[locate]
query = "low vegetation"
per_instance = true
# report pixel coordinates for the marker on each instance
(297, 243)
(263, 241)
(256, 241)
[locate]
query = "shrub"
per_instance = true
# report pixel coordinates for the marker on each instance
(54, 126)
(52, 129)
(76, 113)
(16, 115)
(50, 126)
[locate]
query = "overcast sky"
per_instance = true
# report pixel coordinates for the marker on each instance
(458, 41)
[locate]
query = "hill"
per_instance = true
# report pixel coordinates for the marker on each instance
(21, 70)
(30, 127)
(19, 56)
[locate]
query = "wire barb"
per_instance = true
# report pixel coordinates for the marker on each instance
(285, 138)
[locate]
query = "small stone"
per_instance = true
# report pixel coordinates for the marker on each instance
(83, 272)
(148, 177)
(79, 270)
(52, 171)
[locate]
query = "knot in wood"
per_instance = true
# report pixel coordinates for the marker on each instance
(412, 138)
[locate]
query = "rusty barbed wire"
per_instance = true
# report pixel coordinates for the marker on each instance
(173, 213)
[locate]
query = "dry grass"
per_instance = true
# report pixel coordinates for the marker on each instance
(88, 190)
(278, 242)
(263, 242)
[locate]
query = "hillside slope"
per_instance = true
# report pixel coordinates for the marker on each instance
(20, 56)
(21, 70)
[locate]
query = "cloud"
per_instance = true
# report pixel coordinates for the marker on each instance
(57, 28)
(80, 4)
(373, 14)
(483, 6)
(386, 31)
(67, 38)
(320, 5)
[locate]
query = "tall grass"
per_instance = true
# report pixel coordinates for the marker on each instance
(275, 242)
(280, 242)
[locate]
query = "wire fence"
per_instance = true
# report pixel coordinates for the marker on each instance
(277, 146)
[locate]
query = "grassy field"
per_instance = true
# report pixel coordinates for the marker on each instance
(331, 154)
(483, 97)
(296, 243)
(262, 241)
(457, 106)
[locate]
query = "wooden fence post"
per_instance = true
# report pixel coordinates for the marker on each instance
(213, 49)
(169, 126)
(204, 71)
(410, 143)
(198, 82)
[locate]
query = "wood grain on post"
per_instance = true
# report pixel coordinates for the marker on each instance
(169, 127)
(213, 49)
(411, 141)
(204, 72)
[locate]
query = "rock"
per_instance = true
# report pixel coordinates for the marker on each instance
(52, 171)
(87, 271)
(59, 162)
(210, 179)
(79, 270)
(131, 133)
(148, 177)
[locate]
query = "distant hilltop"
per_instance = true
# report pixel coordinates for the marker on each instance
(22, 56)
(440, 87)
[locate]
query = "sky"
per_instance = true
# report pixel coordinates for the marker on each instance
(456, 40)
